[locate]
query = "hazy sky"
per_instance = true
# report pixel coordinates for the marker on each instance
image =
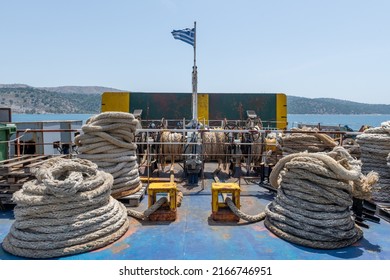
(313, 48)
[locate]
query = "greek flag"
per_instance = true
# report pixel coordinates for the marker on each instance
(186, 35)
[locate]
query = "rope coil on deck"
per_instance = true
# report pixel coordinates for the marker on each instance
(66, 210)
(108, 141)
(315, 191)
(306, 139)
(375, 148)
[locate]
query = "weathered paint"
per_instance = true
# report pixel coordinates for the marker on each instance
(270, 107)
(281, 111)
(194, 235)
(203, 108)
(115, 101)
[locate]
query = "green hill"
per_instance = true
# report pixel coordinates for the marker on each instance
(301, 105)
(22, 98)
(31, 100)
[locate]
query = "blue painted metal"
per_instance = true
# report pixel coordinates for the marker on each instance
(195, 236)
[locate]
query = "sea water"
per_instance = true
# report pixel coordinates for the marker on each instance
(353, 121)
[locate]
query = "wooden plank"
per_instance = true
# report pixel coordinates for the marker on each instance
(11, 188)
(9, 167)
(384, 213)
(23, 161)
(32, 166)
(6, 201)
(10, 160)
(134, 200)
(382, 210)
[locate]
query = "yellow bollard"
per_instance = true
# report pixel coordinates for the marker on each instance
(220, 210)
(166, 212)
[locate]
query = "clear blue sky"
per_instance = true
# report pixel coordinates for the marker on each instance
(313, 48)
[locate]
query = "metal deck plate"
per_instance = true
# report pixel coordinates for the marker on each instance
(195, 236)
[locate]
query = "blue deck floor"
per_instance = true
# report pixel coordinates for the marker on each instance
(194, 236)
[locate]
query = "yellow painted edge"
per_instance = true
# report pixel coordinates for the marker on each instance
(116, 101)
(203, 108)
(281, 111)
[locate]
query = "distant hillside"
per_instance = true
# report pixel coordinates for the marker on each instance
(87, 99)
(65, 89)
(301, 105)
(14, 86)
(34, 100)
(79, 89)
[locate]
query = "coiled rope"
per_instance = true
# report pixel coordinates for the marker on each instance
(171, 146)
(66, 210)
(388, 161)
(108, 141)
(375, 148)
(273, 150)
(312, 206)
(315, 191)
(214, 145)
(306, 139)
(352, 147)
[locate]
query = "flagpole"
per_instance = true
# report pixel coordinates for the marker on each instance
(195, 83)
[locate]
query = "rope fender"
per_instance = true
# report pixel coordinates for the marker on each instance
(66, 210)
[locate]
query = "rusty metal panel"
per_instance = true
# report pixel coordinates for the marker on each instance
(157, 105)
(233, 106)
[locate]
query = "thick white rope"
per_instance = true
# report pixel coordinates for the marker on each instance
(66, 210)
(375, 148)
(315, 191)
(352, 147)
(306, 139)
(312, 206)
(214, 145)
(108, 141)
(170, 146)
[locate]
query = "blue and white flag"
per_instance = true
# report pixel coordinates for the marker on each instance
(186, 35)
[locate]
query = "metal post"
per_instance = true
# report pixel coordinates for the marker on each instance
(195, 83)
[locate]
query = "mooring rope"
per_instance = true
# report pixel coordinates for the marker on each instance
(108, 141)
(375, 148)
(352, 147)
(315, 191)
(150, 210)
(306, 139)
(145, 214)
(66, 210)
(273, 150)
(388, 160)
(214, 148)
(247, 217)
(312, 206)
(171, 146)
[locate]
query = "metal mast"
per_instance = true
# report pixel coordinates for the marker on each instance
(195, 83)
